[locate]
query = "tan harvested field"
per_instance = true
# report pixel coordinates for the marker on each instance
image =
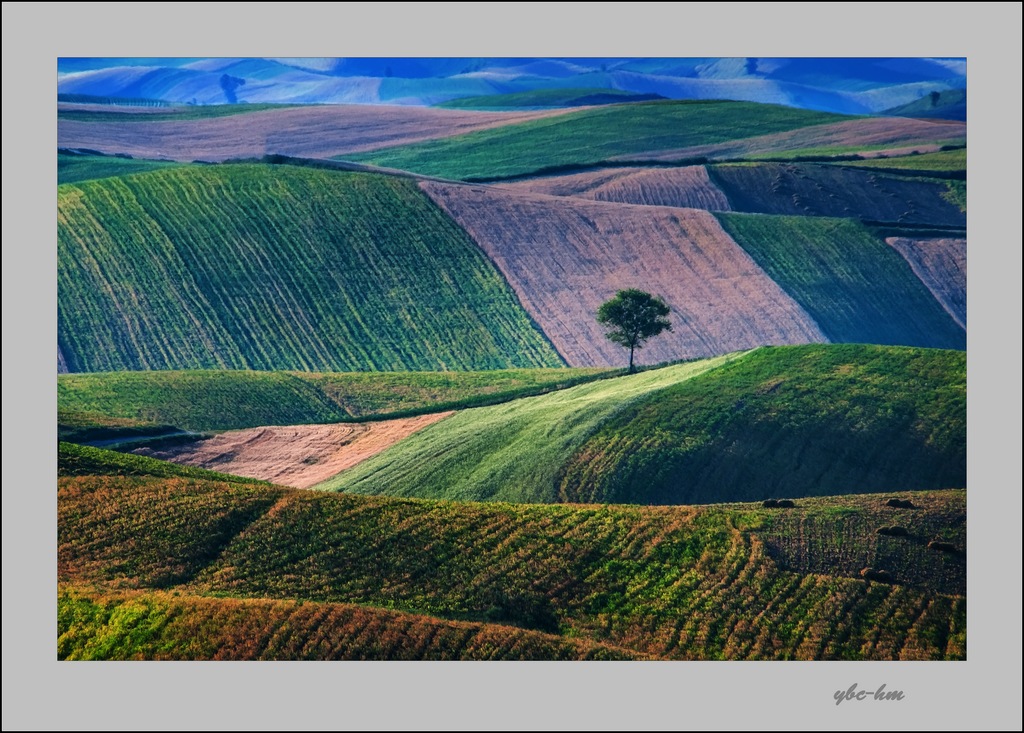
(689, 187)
(294, 455)
(564, 256)
(891, 132)
(941, 264)
(315, 132)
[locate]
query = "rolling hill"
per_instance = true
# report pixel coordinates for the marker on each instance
(667, 582)
(855, 287)
(315, 132)
(72, 168)
(590, 136)
(259, 267)
(204, 400)
(793, 421)
(565, 256)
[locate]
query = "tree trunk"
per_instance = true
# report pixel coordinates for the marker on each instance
(631, 348)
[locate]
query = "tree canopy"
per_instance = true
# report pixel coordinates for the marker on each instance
(633, 316)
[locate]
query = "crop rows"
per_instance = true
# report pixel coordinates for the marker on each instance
(591, 136)
(203, 400)
(857, 289)
(680, 583)
(248, 267)
(162, 626)
(509, 452)
(784, 422)
(75, 168)
(84, 460)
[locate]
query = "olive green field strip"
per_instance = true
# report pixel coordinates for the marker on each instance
(253, 267)
(210, 400)
(666, 582)
(589, 137)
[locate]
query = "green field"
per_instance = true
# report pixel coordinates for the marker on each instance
(942, 160)
(203, 400)
(75, 168)
(790, 421)
(541, 98)
(509, 452)
(84, 460)
(669, 582)
(857, 288)
(591, 136)
(182, 112)
(260, 267)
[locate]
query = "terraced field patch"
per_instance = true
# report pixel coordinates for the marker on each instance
(687, 187)
(806, 189)
(293, 455)
(591, 136)
(260, 267)
(942, 266)
(857, 289)
(566, 256)
(318, 131)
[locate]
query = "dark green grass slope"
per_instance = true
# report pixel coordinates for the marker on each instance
(226, 399)
(260, 267)
(786, 422)
(804, 189)
(856, 287)
(75, 168)
(672, 582)
(590, 136)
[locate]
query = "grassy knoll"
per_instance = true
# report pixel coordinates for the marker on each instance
(75, 168)
(225, 400)
(857, 288)
(590, 136)
(672, 582)
(84, 460)
(162, 626)
(260, 267)
(785, 422)
(508, 452)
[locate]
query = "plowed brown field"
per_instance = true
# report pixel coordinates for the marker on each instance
(942, 266)
(565, 256)
(895, 132)
(689, 187)
(294, 455)
(319, 131)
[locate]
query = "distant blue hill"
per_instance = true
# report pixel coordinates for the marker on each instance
(846, 85)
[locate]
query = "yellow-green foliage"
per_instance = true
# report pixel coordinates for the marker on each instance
(159, 625)
(672, 582)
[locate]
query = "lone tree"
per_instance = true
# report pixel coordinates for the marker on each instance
(633, 317)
